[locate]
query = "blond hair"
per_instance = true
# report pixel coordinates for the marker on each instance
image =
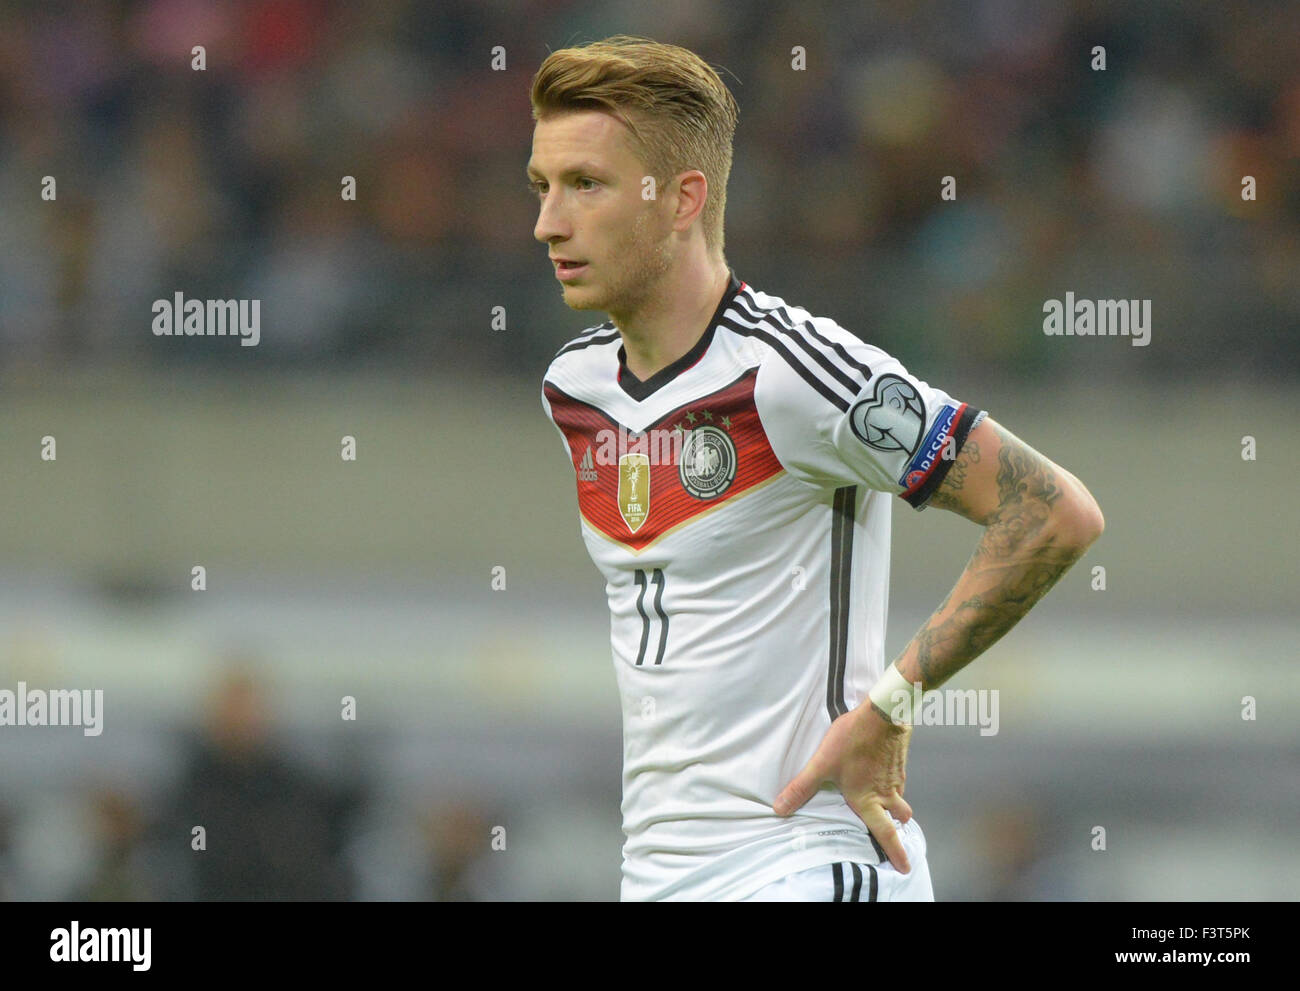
(680, 113)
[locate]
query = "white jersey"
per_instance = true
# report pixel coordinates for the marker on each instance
(738, 505)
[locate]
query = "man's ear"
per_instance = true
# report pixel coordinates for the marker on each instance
(693, 193)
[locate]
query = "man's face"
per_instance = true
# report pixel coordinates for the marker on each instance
(589, 182)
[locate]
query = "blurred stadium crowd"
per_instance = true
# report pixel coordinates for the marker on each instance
(225, 183)
(234, 813)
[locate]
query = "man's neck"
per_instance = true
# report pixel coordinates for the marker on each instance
(673, 321)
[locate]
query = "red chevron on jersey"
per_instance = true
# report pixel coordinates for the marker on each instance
(635, 487)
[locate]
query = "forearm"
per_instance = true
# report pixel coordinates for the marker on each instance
(1001, 583)
(1040, 521)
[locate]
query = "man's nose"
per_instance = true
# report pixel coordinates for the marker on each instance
(550, 222)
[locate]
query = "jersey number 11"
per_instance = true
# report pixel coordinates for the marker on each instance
(656, 579)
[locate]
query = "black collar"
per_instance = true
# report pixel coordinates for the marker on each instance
(639, 390)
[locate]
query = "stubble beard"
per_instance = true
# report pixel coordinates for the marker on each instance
(646, 261)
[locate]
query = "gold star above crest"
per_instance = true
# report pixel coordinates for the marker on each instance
(726, 422)
(690, 417)
(708, 416)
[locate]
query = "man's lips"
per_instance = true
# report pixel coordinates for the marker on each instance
(566, 268)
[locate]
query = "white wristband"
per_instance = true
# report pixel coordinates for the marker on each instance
(899, 698)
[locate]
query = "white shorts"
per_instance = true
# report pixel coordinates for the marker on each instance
(849, 882)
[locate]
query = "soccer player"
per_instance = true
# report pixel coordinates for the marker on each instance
(735, 458)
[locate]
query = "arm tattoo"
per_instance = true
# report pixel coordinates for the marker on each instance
(952, 484)
(1013, 566)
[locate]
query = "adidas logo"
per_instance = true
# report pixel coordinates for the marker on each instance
(587, 468)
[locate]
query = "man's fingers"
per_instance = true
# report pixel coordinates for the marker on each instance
(795, 795)
(886, 835)
(898, 808)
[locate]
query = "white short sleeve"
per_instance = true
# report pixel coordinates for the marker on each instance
(838, 411)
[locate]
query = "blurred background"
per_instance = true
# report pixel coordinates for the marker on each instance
(439, 581)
